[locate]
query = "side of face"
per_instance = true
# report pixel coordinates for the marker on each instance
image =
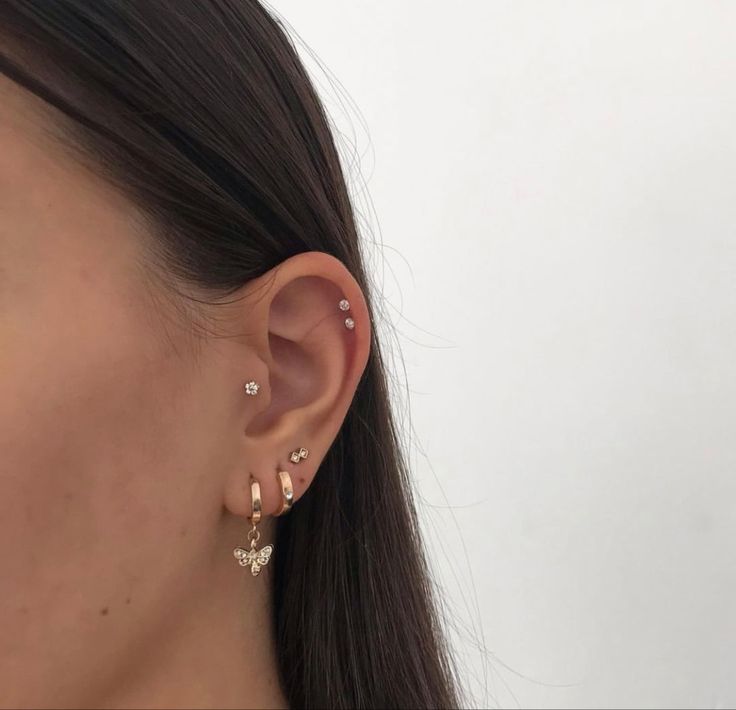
(108, 436)
(127, 443)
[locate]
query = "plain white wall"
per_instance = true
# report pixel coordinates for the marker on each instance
(554, 185)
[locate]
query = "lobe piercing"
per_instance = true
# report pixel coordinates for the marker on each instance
(287, 493)
(252, 387)
(253, 557)
(297, 456)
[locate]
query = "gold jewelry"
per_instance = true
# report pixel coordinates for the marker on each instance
(287, 493)
(253, 557)
(251, 387)
(297, 456)
(345, 306)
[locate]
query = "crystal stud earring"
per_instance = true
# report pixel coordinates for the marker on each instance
(252, 388)
(297, 456)
(345, 306)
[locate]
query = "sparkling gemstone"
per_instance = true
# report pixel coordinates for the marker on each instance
(349, 323)
(344, 304)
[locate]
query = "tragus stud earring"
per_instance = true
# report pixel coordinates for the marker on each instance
(252, 387)
(297, 456)
(253, 557)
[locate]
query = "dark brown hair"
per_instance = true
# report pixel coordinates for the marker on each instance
(201, 112)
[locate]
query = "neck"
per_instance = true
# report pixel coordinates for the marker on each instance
(219, 650)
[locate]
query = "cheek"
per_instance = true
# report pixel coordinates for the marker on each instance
(100, 476)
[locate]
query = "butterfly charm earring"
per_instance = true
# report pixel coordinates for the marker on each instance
(252, 556)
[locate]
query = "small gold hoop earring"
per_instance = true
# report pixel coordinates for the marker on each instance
(251, 556)
(287, 493)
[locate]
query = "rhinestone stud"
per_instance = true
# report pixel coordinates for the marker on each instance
(297, 456)
(252, 388)
(349, 323)
(344, 304)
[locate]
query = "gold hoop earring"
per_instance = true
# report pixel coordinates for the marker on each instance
(253, 557)
(287, 493)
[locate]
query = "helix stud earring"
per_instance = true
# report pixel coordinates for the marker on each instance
(287, 493)
(345, 306)
(297, 456)
(252, 556)
(252, 387)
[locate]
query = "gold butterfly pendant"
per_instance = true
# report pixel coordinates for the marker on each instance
(255, 558)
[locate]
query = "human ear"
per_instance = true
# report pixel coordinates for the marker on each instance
(311, 365)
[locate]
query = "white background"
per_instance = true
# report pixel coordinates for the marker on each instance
(553, 226)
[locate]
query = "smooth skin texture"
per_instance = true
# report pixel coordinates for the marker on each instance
(127, 442)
